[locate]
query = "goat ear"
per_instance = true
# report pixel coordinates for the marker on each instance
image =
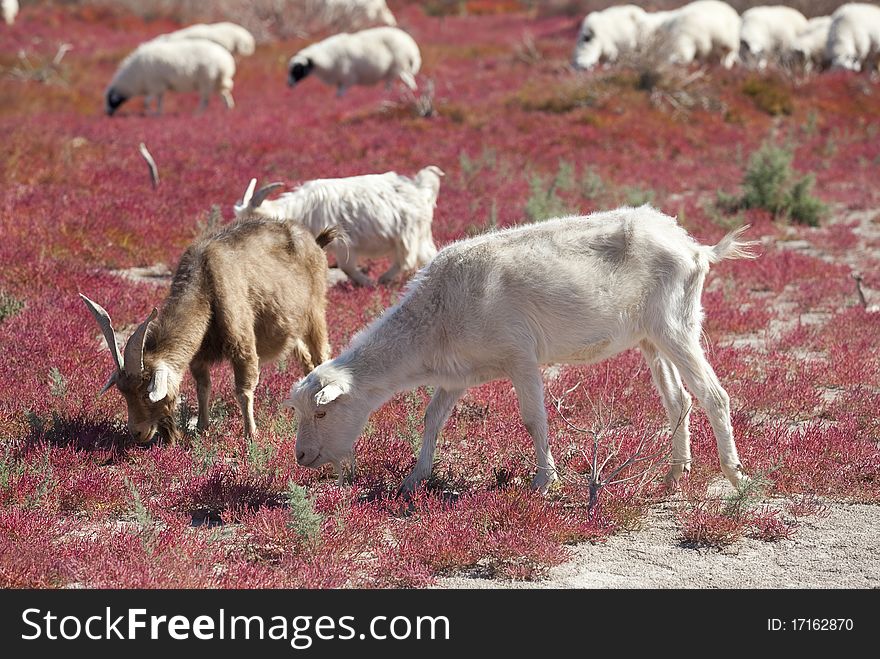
(110, 382)
(158, 387)
(328, 394)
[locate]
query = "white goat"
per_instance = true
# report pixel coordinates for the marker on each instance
(700, 30)
(10, 10)
(234, 38)
(569, 290)
(854, 37)
(360, 58)
(809, 47)
(377, 214)
(769, 32)
(187, 65)
(606, 34)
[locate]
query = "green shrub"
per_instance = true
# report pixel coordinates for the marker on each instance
(303, 517)
(769, 183)
(543, 202)
(9, 306)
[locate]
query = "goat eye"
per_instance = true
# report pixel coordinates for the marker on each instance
(320, 415)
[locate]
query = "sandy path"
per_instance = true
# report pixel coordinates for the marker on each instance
(838, 551)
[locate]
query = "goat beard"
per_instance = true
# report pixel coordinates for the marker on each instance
(169, 430)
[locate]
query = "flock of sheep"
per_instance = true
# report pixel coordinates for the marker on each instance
(200, 58)
(572, 290)
(707, 29)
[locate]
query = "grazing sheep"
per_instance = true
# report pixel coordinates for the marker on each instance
(854, 37)
(809, 46)
(10, 10)
(232, 37)
(701, 30)
(185, 65)
(377, 214)
(360, 58)
(606, 34)
(248, 293)
(352, 13)
(569, 290)
(769, 32)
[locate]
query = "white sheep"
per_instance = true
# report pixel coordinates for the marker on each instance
(769, 32)
(352, 13)
(810, 44)
(700, 30)
(10, 10)
(359, 58)
(569, 290)
(186, 65)
(378, 215)
(854, 37)
(234, 38)
(605, 35)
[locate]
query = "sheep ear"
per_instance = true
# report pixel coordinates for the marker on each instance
(328, 394)
(158, 387)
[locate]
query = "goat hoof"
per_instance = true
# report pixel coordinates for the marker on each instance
(544, 480)
(674, 475)
(735, 475)
(409, 485)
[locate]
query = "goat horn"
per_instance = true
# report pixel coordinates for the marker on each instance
(134, 349)
(106, 326)
(110, 382)
(248, 194)
(261, 194)
(154, 169)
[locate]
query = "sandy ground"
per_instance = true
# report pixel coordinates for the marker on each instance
(841, 550)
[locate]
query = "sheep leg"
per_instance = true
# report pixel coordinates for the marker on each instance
(436, 415)
(677, 404)
(530, 394)
(226, 95)
(347, 260)
(684, 52)
(202, 375)
(730, 59)
(390, 274)
(407, 78)
(700, 377)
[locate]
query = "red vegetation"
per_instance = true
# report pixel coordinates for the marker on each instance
(79, 505)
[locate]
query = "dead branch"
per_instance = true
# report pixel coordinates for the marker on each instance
(151, 164)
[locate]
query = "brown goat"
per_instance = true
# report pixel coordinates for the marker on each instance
(248, 293)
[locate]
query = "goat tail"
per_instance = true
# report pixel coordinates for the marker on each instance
(327, 236)
(731, 247)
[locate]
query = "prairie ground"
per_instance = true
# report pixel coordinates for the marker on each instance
(521, 137)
